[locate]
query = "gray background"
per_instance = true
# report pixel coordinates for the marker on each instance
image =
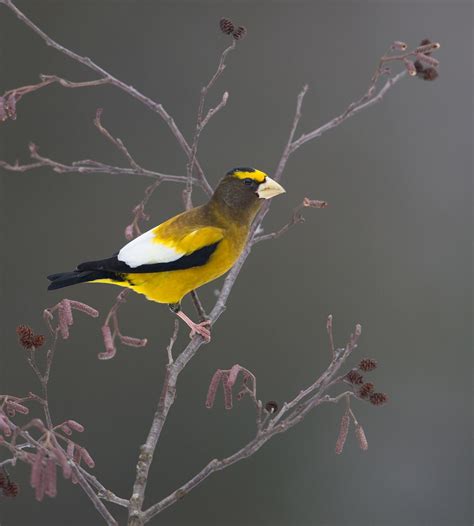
(391, 252)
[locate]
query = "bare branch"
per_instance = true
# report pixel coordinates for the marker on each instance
(102, 491)
(290, 414)
(351, 110)
(201, 123)
(107, 78)
(111, 330)
(133, 229)
(85, 166)
(48, 79)
(98, 504)
(293, 411)
(287, 151)
(169, 348)
(43, 474)
(330, 336)
(296, 218)
(213, 111)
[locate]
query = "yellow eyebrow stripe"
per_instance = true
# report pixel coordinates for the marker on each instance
(256, 175)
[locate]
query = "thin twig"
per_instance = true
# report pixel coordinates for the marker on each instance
(201, 123)
(99, 505)
(86, 166)
(174, 336)
(351, 110)
(198, 306)
(303, 403)
(332, 348)
(44, 381)
(296, 219)
(49, 79)
(107, 78)
(115, 141)
(276, 426)
(296, 119)
(102, 491)
(133, 229)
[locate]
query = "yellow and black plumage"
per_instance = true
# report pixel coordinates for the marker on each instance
(186, 251)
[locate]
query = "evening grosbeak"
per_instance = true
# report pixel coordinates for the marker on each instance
(186, 251)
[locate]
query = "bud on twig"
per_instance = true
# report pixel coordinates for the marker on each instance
(314, 203)
(427, 47)
(410, 67)
(398, 45)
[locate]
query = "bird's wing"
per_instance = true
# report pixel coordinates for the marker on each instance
(166, 247)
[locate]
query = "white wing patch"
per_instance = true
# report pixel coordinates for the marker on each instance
(144, 251)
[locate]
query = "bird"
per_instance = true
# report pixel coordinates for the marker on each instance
(186, 251)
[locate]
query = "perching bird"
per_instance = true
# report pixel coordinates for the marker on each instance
(186, 251)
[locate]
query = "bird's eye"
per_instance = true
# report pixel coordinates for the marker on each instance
(248, 181)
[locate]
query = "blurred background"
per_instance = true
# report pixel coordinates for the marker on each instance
(392, 252)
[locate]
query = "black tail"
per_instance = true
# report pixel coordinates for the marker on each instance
(65, 279)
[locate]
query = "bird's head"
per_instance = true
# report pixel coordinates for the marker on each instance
(255, 181)
(246, 188)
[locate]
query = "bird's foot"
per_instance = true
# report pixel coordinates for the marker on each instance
(201, 329)
(196, 328)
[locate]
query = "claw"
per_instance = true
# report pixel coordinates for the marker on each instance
(196, 328)
(200, 328)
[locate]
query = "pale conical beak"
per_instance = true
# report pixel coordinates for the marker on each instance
(269, 189)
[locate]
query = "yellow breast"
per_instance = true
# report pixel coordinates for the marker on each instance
(172, 286)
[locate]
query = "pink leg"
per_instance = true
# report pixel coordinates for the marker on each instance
(196, 328)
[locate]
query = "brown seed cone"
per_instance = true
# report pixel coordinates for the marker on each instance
(38, 340)
(366, 390)
(25, 335)
(430, 74)
(239, 33)
(11, 489)
(378, 398)
(226, 26)
(367, 364)
(354, 377)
